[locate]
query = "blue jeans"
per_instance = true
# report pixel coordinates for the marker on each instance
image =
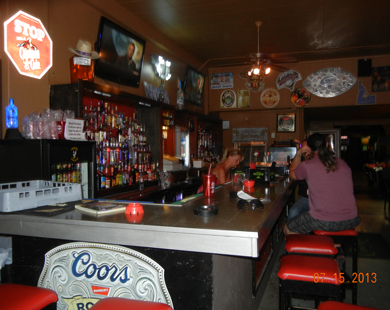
(300, 206)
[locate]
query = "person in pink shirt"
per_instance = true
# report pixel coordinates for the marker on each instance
(331, 198)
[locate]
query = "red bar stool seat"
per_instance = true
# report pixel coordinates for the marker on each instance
(117, 303)
(310, 244)
(335, 305)
(308, 277)
(346, 238)
(17, 296)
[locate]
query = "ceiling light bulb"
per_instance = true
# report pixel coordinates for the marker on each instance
(267, 70)
(256, 71)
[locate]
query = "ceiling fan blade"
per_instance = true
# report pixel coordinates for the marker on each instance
(235, 64)
(278, 68)
(281, 59)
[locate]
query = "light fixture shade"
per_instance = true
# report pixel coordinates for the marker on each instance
(161, 67)
(254, 77)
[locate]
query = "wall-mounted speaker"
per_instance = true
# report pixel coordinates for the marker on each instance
(364, 67)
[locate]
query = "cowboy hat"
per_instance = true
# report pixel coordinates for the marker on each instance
(84, 49)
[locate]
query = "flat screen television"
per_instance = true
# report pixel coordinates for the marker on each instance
(121, 54)
(193, 86)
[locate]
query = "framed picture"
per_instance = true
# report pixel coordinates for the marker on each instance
(285, 123)
(381, 79)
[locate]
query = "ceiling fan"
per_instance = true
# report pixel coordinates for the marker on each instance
(262, 64)
(261, 58)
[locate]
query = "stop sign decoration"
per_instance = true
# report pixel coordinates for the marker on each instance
(28, 45)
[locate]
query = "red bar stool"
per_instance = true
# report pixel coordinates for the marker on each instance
(17, 296)
(117, 303)
(335, 305)
(308, 277)
(346, 237)
(310, 244)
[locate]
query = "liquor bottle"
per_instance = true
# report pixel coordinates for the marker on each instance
(85, 113)
(119, 179)
(129, 175)
(113, 176)
(119, 136)
(114, 117)
(98, 178)
(102, 178)
(108, 115)
(108, 176)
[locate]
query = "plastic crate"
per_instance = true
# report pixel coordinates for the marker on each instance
(19, 196)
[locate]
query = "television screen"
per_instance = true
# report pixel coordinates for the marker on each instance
(193, 86)
(121, 54)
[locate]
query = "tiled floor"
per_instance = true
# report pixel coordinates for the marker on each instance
(374, 254)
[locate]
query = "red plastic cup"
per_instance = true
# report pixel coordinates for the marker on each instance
(209, 181)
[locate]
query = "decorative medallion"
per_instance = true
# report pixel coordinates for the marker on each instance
(81, 273)
(288, 79)
(270, 98)
(329, 82)
(300, 97)
(228, 99)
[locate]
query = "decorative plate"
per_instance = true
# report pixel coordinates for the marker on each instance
(329, 82)
(269, 98)
(288, 79)
(300, 97)
(228, 99)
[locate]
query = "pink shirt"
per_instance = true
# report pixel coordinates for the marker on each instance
(331, 196)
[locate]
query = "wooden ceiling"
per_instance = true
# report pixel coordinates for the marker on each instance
(223, 31)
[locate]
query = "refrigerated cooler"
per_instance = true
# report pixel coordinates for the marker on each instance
(28, 160)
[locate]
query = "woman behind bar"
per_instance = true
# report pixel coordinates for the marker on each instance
(331, 199)
(231, 158)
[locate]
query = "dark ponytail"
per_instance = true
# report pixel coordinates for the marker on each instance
(317, 142)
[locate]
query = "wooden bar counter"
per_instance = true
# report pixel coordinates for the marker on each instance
(214, 262)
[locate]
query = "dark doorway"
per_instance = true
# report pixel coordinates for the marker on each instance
(363, 145)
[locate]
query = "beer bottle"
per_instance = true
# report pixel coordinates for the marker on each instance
(65, 172)
(78, 173)
(69, 172)
(74, 174)
(59, 172)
